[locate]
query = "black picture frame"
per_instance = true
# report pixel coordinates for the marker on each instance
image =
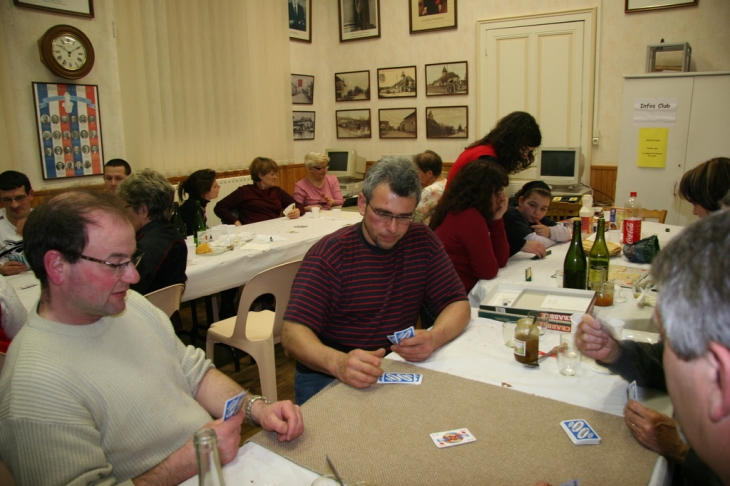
(79, 8)
(447, 122)
(303, 124)
(352, 86)
(358, 24)
(300, 21)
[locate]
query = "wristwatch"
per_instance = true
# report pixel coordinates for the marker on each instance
(249, 405)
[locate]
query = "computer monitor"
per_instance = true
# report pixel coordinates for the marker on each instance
(345, 163)
(559, 166)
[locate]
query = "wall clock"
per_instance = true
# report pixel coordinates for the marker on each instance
(66, 52)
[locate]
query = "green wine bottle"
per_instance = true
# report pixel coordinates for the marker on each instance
(178, 222)
(598, 256)
(574, 265)
(199, 223)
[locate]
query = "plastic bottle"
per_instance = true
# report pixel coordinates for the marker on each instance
(574, 265)
(586, 216)
(632, 222)
(209, 463)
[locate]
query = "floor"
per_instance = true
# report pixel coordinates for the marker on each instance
(248, 376)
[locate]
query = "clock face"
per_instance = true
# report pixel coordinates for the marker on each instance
(69, 52)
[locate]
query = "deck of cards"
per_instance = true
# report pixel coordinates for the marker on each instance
(452, 438)
(400, 378)
(233, 405)
(580, 432)
(631, 392)
(401, 335)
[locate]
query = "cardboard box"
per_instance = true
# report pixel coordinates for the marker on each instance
(510, 302)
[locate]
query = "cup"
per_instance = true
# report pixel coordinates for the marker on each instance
(336, 213)
(613, 236)
(542, 323)
(508, 333)
(569, 356)
(315, 211)
(604, 293)
(617, 327)
(575, 320)
(215, 233)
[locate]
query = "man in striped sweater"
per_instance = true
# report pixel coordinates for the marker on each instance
(364, 282)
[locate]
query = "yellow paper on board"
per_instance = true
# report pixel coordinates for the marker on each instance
(652, 147)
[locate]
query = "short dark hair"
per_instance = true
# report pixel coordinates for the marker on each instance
(11, 179)
(429, 160)
(261, 165)
(707, 183)
(197, 184)
(62, 223)
(538, 187)
(398, 173)
(119, 163)
(509, 137)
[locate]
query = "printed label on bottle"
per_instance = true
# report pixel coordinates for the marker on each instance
(520, 348)
(632, 231)
(597, 274)
(585, 223)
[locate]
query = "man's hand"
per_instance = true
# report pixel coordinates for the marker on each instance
(283, 417)
(417, 348)
(293, 214)
(655, 431)
(13, 268)
(541, 230)
(229, 436)
(595, 342)
(535, 247)
(360, 368)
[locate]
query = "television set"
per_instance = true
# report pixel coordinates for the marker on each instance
(559, 166)
(345, 164)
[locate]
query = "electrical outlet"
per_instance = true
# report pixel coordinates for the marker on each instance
(595, 141)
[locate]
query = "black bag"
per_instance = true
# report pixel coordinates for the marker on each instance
(643, 251)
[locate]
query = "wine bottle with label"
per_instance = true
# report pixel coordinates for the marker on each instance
(199, 224)
(598, 257)
(574, 265)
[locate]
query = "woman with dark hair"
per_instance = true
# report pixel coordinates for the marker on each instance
(201, 186)
(511, 142)
(468, 221)
(527, 227)
(705, 185)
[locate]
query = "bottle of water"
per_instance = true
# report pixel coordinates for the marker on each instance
(209, 463)
(632, 222)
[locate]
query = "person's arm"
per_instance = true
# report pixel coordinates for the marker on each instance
(429, 200)
(300, 195)
(286, 200)
(558, 232)
(499, 241)
(517, 228)
(357, 368)
(655, 431)
(336, 191)
(477, 241)
(12, 268)
(224, 208)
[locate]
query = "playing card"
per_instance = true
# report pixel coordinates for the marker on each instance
(631, 392)
(452, 437)
(402, 378)
(404, 334)
(580, 432)
(233, 405)
(392, 339)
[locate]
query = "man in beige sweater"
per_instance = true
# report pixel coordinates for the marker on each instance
(96, 387)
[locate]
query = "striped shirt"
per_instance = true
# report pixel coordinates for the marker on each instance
(353, 294)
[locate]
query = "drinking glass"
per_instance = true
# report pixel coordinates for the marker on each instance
(569, 356)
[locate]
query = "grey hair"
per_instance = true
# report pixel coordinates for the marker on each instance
(399, 173)
(313, 158)
(694, 274)
(148, 188)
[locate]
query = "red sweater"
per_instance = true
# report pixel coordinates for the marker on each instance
(254, 205)
(469, 155)
(477, 249)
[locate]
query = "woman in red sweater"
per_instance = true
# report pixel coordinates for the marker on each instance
(468, 221)
(511, 141)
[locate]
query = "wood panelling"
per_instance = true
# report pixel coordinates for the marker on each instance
(603, 182)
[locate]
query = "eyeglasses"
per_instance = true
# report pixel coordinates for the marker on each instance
(119, 268)
(321, 168)
(386, 218)
(10, 200)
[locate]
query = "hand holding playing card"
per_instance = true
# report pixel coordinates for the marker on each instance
(360, 368)
(595, 342)
(282, 417)
(655, 431)
(417, 348)
(229, 436)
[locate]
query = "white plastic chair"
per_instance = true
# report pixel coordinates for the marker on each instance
(256, 332)
(167, 299)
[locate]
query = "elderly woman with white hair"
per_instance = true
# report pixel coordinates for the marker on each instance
(318, 188)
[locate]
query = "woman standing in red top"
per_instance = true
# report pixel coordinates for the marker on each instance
(511, 141)
(468, 221)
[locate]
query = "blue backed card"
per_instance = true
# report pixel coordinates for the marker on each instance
(401, 378)
(579, 432)
(233, 405)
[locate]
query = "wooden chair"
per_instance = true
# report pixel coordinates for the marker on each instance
(658, 214)
(562, 210)
(256, 332)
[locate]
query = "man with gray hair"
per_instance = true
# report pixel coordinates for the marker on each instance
(364, 282)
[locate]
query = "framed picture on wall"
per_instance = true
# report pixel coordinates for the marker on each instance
(303, 125)
(397, 82)
(641, 5)
(447, 122)
(300, 20)
(69, 130)
(81, 8)
(302, 89)
(359, 19)
(449, 78)
(397, 123)
(353, 123)
(428, 15)
(352, 86)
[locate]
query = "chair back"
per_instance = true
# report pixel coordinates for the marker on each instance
(658, 214)
(167, 299)
(560, 211)
(276, 281)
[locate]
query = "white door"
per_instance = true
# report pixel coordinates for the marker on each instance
(539, 68)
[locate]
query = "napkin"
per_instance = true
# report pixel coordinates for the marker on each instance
(288, 209)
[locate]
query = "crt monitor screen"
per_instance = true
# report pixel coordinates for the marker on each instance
(338, 161)
(558, 163)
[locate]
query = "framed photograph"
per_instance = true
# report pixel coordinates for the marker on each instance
(302, 89)
(353, 123)
(352, 86)
(303, 125)
(642, 5)
(300, 20)
(449, 78)
(359, 19)
(397, 123)
(447, 122)
(428, 15)
(81, 8)
(69, 130)
(397, 82)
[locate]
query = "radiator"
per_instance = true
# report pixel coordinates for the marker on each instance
(228, 185)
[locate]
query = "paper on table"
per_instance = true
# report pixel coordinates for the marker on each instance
(288, 209)
(270, 238)
(566, 302)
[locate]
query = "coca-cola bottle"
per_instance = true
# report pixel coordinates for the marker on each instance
(632, 222)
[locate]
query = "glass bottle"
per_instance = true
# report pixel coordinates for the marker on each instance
(574, 265)
(177, 221)
(199, 226)
(598, 257)
(209, 464)
(527, 340)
